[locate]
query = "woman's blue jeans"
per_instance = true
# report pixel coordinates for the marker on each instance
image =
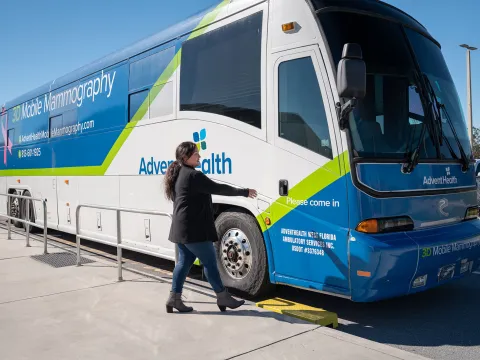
(187, 253)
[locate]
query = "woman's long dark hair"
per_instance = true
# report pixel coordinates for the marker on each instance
(184, 151)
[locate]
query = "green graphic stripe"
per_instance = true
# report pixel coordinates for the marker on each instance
(344, 163)
(69, 171)
(158, 86)
(207, 20)
(311, 185)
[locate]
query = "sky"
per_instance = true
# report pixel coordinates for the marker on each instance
(41, 41)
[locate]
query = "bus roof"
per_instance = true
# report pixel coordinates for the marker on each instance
(376, 7)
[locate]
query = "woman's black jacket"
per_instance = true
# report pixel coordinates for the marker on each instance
(193, 219)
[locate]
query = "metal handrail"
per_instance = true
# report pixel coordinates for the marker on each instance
(27, 222)
(119, 244)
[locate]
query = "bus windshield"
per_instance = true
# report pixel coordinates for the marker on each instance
(388, 122)
(433, 66)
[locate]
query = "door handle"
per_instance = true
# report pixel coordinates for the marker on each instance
(283, 187)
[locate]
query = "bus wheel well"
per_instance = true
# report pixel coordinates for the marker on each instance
(221, 208)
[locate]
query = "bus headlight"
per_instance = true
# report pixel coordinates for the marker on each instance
(378, 226)
(420, 281)
(472, 213)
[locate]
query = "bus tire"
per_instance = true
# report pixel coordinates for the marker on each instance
(23, 209)
(15, 209)
(245, 269)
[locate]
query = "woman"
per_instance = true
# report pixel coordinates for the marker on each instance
(193, 227)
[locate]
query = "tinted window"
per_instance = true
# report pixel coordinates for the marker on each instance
(374, 7)
(56, 124)
(135, 101)
(387, 122)
(64, 125)
(3, 124)
(146, 71)
(302, 117)
(10, 136)
(477, 172)
(433, 65)
(220, 71)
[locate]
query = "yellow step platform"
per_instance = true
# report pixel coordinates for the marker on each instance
(304, 312)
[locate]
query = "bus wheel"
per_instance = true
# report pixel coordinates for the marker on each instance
(31, 209)
(15, 210)
(241, 253)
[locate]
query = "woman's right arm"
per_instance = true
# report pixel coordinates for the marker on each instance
(202, 184)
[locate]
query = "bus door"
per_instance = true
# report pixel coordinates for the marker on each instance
(310, 228)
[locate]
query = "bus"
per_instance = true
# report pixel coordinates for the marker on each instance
(341, 114)
(477, 174)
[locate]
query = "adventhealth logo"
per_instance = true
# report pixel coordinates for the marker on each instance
(214, 163)
(199, 139)
(447, 179)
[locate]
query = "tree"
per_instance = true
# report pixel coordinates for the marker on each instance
(476, 142)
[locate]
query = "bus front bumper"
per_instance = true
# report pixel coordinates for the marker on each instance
(396, 264)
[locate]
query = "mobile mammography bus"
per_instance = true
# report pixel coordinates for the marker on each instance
(342, 114)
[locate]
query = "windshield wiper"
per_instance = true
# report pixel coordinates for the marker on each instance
(438, 117)
(438, 120)
(412, 157)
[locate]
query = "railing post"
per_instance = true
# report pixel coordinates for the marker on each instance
(119, 242)
(45, 251)
(77, 223)
(27, 219)
(9, 213)
(79, 263)
(119, 233)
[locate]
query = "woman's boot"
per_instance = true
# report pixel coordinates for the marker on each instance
(224, 300)
(175, 302)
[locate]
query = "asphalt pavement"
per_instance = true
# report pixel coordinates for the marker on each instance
(52, 309)
(442, 323)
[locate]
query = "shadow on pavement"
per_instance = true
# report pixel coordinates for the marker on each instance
(447, 315)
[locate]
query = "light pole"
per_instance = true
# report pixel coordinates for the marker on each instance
(469, 92)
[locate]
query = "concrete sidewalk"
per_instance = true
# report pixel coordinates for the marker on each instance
(69, 312)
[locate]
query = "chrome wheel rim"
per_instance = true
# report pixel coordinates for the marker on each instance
(236, 254)
(15, 208)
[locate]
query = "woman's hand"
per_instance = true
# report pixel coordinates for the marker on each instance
(252, 193)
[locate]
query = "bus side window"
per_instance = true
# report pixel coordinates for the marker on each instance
(3, 122)
(147, 85)
(11, 135)
(56, 124)
(220, 72)
(302, 117)
(135, 101)
(64, 124)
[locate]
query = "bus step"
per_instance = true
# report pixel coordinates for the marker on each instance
(303, 312)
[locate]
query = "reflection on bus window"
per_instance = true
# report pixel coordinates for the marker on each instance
(302, 118)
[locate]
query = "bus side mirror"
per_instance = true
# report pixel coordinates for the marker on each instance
(351, 80)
